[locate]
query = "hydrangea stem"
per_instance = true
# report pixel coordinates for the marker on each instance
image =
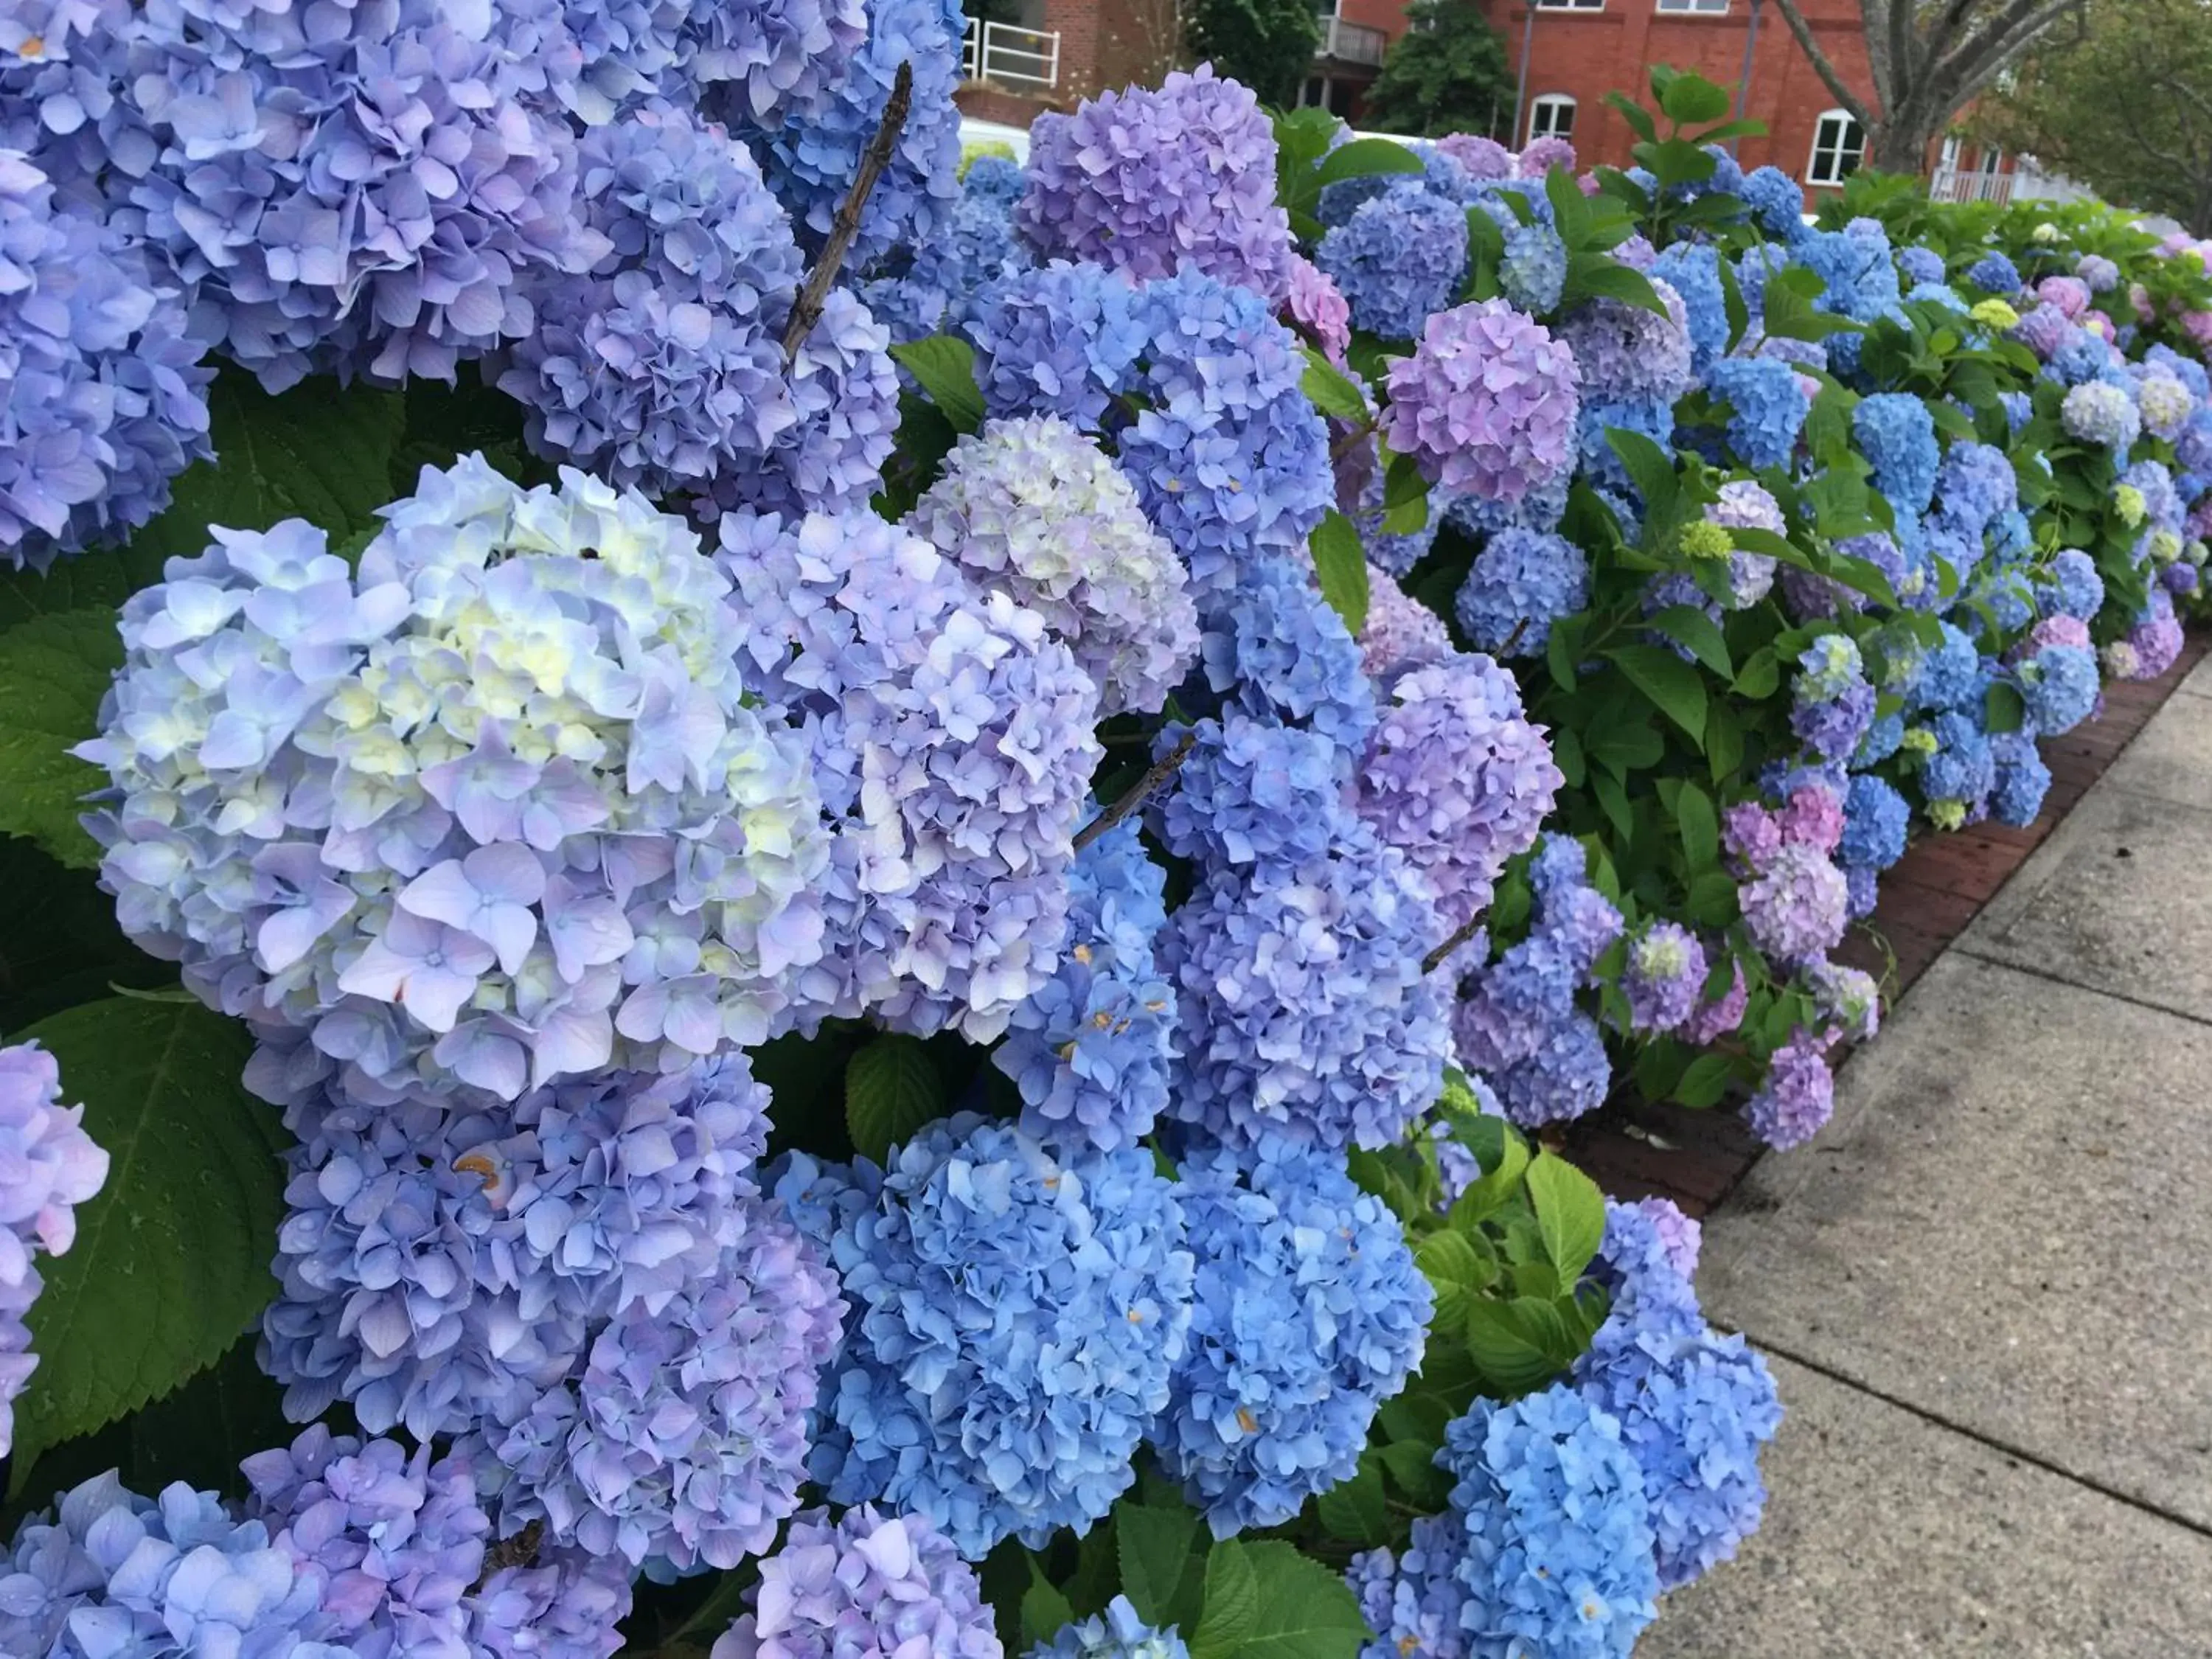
(806, 310)
(1160, 771)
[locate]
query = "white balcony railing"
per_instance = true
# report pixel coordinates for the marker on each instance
(1007, 51)
(1352, 43)
(1957, 185)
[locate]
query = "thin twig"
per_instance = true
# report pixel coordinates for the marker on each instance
(806, 310)
(1162, 770)
(1435, 959)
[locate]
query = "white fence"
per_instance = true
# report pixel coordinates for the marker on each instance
(1955, 185)
(1009, 52)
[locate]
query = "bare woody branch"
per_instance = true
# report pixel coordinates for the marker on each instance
(1147, 786)
(806, 310)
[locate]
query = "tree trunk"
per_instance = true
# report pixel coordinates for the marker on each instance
(1901, 146)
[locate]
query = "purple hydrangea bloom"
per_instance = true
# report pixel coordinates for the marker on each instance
(1306, 1011)
(1016, 1320)
(1716, 1017)
(104, 396)
(1251, 792)
(1679, 1236)
(871, 1586)
(953, 745)
(1795, 903)
(1032, 507)
(1847, 1000)
(1664, 978)
(1308, 1314)
(48, 1166)
(1150, 180)
(1519, 584)
(2099, 273)
(1627, 353)
(1541, 155)
(1398, 260)
(1318, 308)
(1798, 1094)
(438, 1269)
(1486, 404)
(1456, 779)
(1089, 1048)
(1479, 157)
(450, 903)
(683, 1438)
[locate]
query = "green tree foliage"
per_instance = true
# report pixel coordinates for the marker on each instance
(2150, 148)
(1268, 44)
(1446, 74)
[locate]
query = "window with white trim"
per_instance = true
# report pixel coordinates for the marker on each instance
(1702, 8)
(1838, 147)
(1570, 5)
(1552, 116)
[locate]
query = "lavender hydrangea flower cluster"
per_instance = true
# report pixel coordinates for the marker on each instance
(48, 1166)
(1398, 260)
(1794, 898)
(1153, 181)
(1118, 1633)
(428, 816)
(1308, 1314)
(1033, 507)
(953, 745)
(1457, 779)
(1519, 584)
(867, 1586)
(105, 393)
(1486, 404)
(1015, 1323)
(1664, 978)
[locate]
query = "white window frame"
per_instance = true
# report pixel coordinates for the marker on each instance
(1544, 107)
(1570, 5)
(1848, 139)
(1694, 7)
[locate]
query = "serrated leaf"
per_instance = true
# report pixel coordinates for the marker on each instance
(2002, 708)
(1670, 682)
(1304, 1611)
(1691, 100)
(1340, 567)
(1412, 1464)
(1357, 1511)
(54, 670)
(1514, 1344)
(1231, 1609)
(1330, 390)
(171, 1260)
(1651, 468)
(1492, 1191)
(1045, 1610)
(891, 1090)
(1761, 675)
(945, 367)
(1162, 1578)
(1569, 1214)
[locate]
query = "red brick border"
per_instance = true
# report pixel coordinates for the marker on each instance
(1635, 1148)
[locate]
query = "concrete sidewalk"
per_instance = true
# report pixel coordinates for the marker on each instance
(1986, 1288)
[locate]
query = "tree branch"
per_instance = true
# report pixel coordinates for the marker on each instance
(1821, 66)
(1997, 42)
(806, 310)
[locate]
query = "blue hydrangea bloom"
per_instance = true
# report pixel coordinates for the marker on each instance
(1533, 270)
(1951, 674)
(1975, 485)
(1692, 270)
(2022, 780)
(1995, 273)
(1560, 1543)
(1775, 200)
(1519, 584)
(1897, 434)
(1398, 258)
(1015, 1321)
(1653, 417)
(1118, 1633)
(1277, 651)
(2076, 588)
(1919, 265)
(1411, 1599)
(1962, 771)
(1308, 1314)
(1875, 817)
(105, 396)
(1767, 407)
(1089, 1048)
(2060, 685)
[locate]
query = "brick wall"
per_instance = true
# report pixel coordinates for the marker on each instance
(1586, 54)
